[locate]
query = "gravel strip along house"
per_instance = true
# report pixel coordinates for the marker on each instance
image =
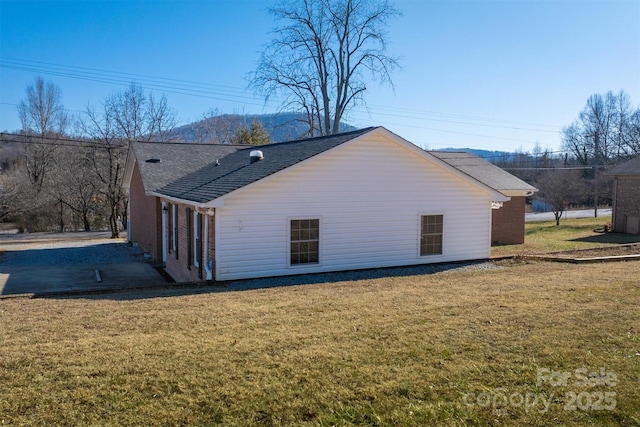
(357, 200)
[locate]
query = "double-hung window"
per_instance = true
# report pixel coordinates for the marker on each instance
(431, 227)
(304, 241)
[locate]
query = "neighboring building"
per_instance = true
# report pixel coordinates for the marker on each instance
(625, 215)
(507, 219)
(362, 199)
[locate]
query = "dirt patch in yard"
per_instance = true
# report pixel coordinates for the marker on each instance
(609, 251)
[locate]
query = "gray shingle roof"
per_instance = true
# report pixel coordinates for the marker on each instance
(483, 171)
(630, 167)
(235, 171)
(175, 160)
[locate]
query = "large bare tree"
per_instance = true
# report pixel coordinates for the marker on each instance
(136, 115)
(125, 117)
(43, 119)
(604, 131)
(604, 134)
(323, 56)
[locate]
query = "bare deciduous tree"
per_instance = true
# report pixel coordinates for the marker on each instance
(137, 116)
(558, 188)
(602, 135)
(324, 51)
(107, 158)
(74, 184)
(604, 130)
(125, 117)
(43, 118)
(43, 113)
(218, 128)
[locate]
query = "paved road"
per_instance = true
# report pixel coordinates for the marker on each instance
(45, 263)
(548, 216)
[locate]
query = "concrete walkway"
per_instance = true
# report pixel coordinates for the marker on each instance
(57, 263)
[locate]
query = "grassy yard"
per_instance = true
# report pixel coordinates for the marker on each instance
(456, 348)
(571, 234)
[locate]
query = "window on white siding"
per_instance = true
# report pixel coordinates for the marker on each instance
(431, 234)
(305, 241)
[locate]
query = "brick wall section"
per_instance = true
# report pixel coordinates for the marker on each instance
(627, 201)
(507, 223)
(178, 267)
(146, 218)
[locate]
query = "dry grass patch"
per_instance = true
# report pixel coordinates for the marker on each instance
(389, 351)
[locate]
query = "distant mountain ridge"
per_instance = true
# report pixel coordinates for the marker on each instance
(489, 155)
(280, 126)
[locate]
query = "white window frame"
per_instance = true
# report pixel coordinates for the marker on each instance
(444, 230)
(174, 227)
(196, 261)
(308, 264)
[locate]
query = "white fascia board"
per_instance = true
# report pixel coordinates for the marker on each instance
(215, 203)
(516, 193)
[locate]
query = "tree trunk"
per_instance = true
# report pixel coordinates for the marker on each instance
(61, 217)
(113, 221)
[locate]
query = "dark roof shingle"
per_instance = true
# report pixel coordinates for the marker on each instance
(235, 170)
(175, 160)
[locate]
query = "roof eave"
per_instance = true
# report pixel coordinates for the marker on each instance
(215, 203)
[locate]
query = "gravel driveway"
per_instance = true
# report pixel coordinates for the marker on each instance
(53, 263)
(69, 253)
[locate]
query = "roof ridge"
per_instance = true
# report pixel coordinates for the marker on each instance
(341, 134)
(199, 144)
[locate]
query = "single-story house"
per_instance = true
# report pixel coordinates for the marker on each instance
(361, 199)
(625, 215)
(507, 219)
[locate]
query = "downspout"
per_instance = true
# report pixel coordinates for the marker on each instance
(165, 213)
(208, 264)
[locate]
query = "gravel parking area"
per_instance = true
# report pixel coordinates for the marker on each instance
(58, 263)
(70, 253)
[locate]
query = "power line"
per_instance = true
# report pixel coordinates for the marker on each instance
(234, 94)
(55, 141)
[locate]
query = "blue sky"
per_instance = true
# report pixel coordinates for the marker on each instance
(498, 75)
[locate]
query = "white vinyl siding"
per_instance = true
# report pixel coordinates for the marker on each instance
(369, 193)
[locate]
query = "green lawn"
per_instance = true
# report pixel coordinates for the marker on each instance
(571, 234)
